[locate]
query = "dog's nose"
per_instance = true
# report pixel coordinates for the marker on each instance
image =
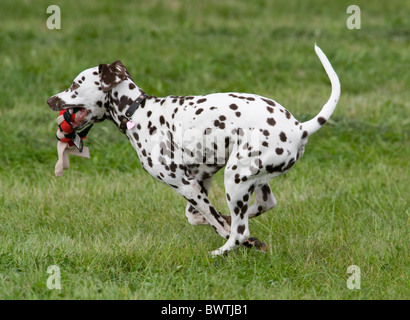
(50, 101)
(55, 103)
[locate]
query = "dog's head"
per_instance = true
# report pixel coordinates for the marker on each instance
(89, 93)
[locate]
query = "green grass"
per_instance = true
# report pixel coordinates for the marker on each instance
(116, 233)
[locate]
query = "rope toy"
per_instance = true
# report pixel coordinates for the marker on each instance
(67, 139)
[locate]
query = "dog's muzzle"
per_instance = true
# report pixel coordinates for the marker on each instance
(55, 103)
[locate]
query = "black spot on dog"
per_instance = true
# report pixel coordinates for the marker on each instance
(213, 211)
(185, 181)
(149, 161)
(199, 111)
(193, 202)
(173, 167)
(220, 125)
(152, 130)
(201, 100)
(233, 106)
(273, 168)
(124, 101)
(243, 210)
(321, 120)
(241, 229)
(265, 193)
(271, 121)
(282, 136)
(279, 150)
(289, 165)
(258, 162)
(270, 102)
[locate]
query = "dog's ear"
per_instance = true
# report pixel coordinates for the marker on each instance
(112, 74)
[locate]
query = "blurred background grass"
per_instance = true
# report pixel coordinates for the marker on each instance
(117, 233)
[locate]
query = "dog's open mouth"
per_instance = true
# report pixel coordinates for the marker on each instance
(80, 114)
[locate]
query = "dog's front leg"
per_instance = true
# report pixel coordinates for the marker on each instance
(194, 216)
(195, 194)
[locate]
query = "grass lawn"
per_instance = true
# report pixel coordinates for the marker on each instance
(116, 233)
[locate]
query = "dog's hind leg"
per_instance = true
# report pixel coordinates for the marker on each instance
(238, 196)
(264, 200)
(195, 194)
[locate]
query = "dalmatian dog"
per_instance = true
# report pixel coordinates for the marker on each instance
(184, 140)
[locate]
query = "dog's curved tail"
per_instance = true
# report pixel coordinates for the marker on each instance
(316, 123)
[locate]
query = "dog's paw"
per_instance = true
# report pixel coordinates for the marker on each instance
(255, 243)
(218, 252)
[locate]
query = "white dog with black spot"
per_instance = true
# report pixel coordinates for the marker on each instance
(184, 141)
